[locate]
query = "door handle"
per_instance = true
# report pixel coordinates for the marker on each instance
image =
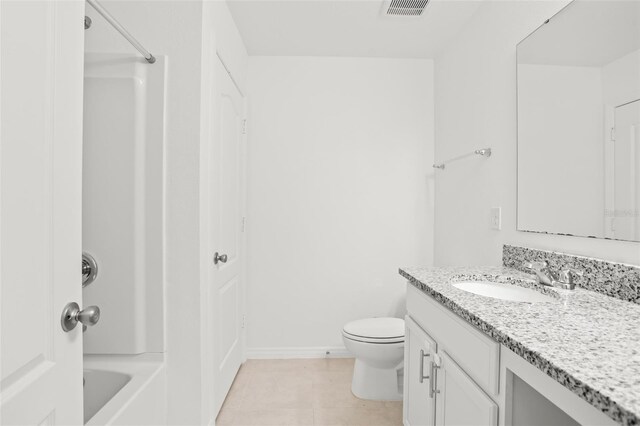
(72, 315)
(432, 375)
(219, 258)
(422, 357)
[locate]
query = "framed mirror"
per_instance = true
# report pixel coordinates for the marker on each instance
(579, 122)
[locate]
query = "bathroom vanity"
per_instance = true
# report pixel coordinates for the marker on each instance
(489, 346)
(571, 357)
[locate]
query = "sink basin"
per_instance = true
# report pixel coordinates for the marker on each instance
(502, 291)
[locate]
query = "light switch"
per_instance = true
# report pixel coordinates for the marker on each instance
(496, 218)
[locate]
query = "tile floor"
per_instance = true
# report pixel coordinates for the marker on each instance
(302, 392)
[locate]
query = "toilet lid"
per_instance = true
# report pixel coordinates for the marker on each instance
(382, 330)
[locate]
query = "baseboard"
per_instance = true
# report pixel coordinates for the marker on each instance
(292, 353)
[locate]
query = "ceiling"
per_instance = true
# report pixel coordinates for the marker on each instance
(585, 33)
(355, 28)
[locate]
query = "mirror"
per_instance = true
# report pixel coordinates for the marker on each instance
(579, 122)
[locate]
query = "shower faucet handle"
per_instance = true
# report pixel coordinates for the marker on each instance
(89, 269)
(72, 315)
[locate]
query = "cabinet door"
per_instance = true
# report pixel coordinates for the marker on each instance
(419, 403)
(459, 400)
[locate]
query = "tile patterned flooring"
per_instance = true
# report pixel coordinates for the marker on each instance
(302, 392)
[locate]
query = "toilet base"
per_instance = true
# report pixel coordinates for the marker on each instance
(376, 384)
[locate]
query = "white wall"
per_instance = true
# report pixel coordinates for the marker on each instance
(339, 195)
(475, 87)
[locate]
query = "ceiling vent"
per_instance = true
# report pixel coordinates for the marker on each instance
(401, 8)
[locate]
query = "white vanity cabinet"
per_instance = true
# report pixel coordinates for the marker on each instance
(459, 401)
(419, 399)
(457, 375)
(449, 368)
(436, 390)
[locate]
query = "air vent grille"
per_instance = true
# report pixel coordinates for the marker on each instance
(406, 7)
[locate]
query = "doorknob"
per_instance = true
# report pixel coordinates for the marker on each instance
(219, 258)
(71, 315)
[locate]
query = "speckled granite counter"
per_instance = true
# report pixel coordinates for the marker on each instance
(588, 342)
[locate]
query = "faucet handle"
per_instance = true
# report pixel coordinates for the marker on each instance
(536, 266)
(569, 276)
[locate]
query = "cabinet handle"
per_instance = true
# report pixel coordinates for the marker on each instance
(432, 391)
(422, 357)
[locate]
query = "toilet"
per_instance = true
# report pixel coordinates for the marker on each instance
(378, 346)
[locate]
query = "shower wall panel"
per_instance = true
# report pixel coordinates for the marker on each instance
(123, 201)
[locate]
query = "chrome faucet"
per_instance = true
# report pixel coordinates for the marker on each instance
(564, 279)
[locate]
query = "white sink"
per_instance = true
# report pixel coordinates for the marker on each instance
(502, 291)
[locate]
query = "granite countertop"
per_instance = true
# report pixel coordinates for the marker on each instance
(588, 342)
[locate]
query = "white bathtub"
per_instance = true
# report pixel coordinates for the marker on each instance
(124, 389)
(100, 386)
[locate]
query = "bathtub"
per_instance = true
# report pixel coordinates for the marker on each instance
(100, 386)
(124, 389)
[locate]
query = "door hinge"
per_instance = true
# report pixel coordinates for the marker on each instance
(244, 321)
(613, 134)
(244, 126)
(243, 224)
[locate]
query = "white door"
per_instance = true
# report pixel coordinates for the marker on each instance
(460, 401)
(419, 400)
(41, 51)
(626, 172)
(226, 239)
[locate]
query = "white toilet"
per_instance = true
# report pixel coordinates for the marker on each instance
(378, 346)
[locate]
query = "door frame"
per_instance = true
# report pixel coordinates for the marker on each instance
(608, 161)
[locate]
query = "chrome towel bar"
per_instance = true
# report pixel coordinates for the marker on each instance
(485, 152)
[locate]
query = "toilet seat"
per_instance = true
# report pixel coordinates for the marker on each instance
(375, 330)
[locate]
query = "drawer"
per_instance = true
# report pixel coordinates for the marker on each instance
(477, 354)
